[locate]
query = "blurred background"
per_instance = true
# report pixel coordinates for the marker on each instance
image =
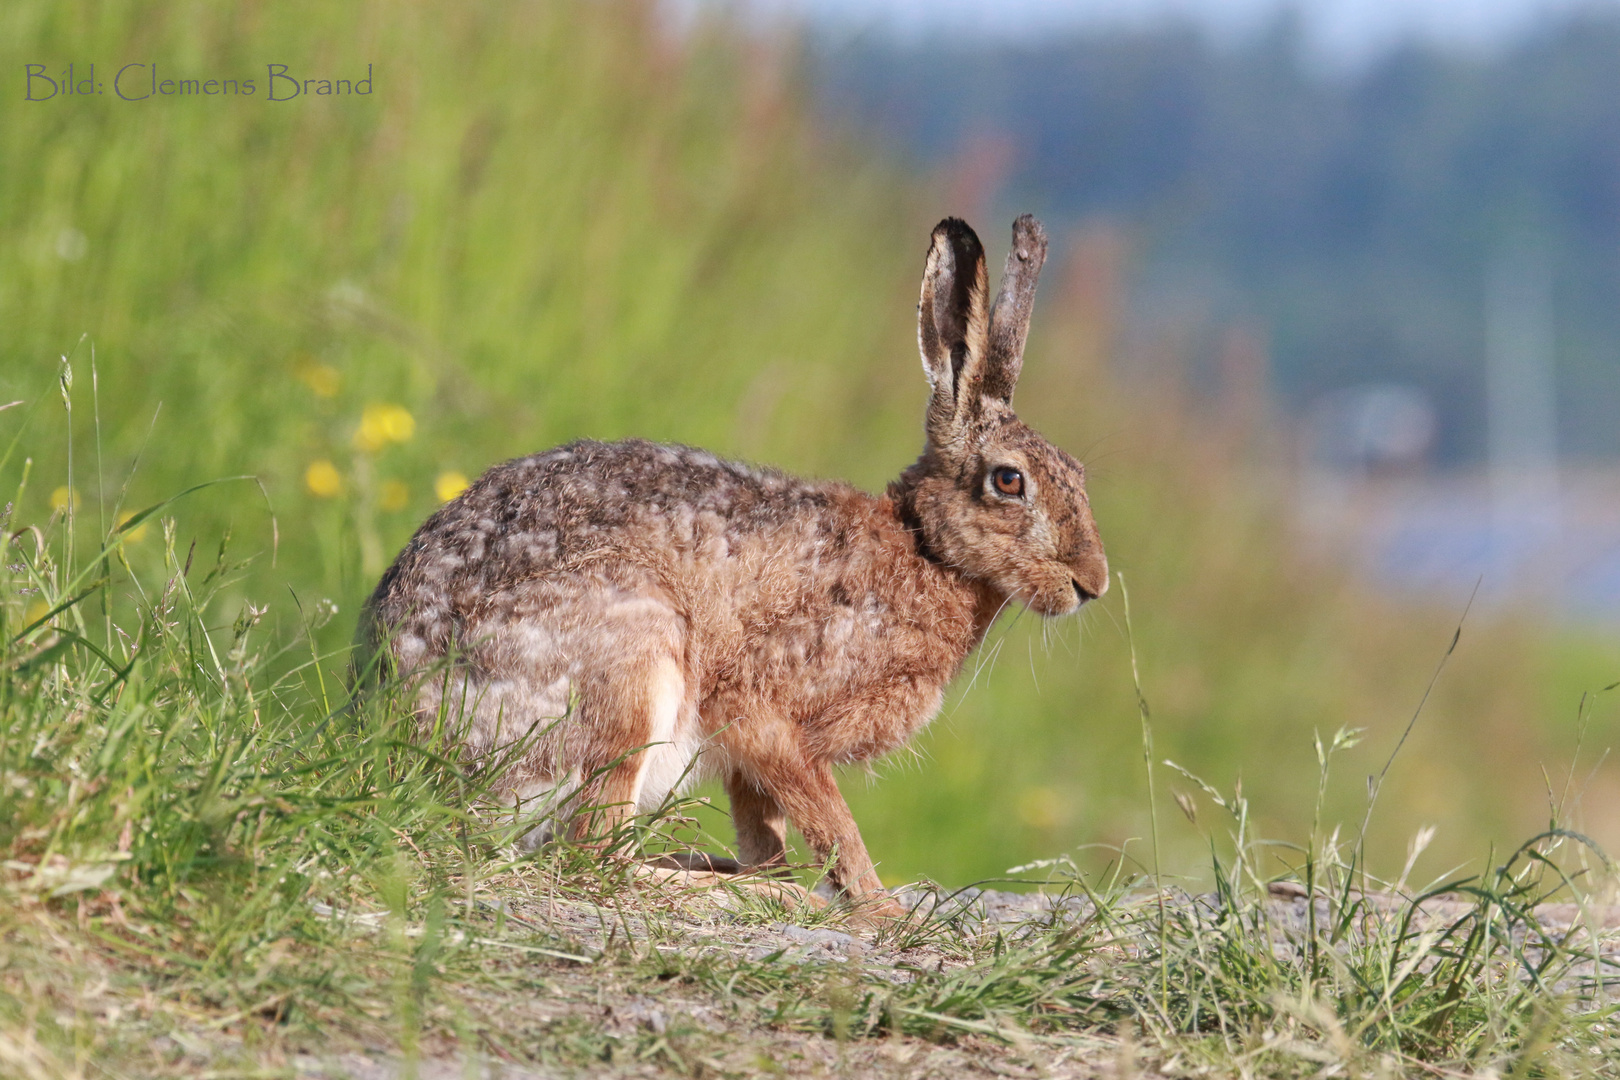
(1332, 314)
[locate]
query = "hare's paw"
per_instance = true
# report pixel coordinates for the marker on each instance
(874, 911)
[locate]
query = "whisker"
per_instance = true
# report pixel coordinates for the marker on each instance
(996, 646)
(1112, 618)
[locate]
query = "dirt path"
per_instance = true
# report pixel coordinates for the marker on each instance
(628, 1006)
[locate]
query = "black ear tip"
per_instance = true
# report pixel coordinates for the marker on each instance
(960, 236)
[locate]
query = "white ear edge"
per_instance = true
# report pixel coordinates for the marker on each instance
(922, 354)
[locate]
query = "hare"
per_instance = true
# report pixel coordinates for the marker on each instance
(658, 615)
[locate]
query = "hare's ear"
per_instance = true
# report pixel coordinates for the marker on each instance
(952, 328)
(1009, 318)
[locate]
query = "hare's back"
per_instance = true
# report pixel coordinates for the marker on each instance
(586, 512)
(633, 499)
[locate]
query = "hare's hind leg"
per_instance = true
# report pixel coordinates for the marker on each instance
(638, 737)
(597, 672)
(515, 719)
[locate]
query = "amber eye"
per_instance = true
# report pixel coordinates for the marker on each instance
(1008, 481)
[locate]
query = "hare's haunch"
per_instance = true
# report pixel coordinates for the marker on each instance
(652, 615)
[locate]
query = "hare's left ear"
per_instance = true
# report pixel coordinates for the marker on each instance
(1009, 319)
(952, 329)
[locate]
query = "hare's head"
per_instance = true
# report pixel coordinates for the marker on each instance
(991, 497)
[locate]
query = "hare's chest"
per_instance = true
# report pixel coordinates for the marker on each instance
(861, 674)
(809, 655)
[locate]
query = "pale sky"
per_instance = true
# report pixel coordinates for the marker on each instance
(1342, 30)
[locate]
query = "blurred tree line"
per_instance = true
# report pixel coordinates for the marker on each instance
(1354, 216)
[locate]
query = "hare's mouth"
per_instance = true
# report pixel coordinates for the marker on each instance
(1064, 603)
(1053, 604)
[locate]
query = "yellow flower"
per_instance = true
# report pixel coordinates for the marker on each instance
(323, 379)
(323, 479)
(134, 535)
(383, 424)
(61, 497)
(36, 612)
(449, 484)
(393, 496)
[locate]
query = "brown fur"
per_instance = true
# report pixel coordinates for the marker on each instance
(658, 605)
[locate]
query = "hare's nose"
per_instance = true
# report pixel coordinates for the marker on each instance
(1090, 578)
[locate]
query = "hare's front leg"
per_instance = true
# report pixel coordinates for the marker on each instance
(808, 792)
(761, 825)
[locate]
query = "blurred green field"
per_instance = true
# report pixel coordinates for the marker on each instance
(558, 220)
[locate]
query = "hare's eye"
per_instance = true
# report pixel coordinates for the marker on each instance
(1008, 481)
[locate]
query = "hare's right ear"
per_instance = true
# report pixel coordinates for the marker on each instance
(1009, 318)
(953, 329)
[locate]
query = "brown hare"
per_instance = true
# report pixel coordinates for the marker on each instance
(659, 616)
